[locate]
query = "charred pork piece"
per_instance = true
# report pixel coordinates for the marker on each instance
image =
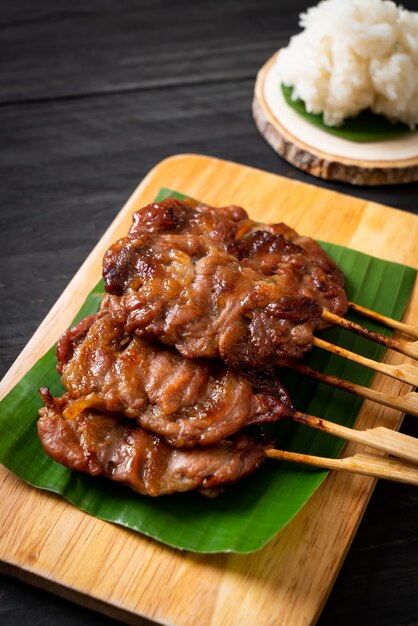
(188, 402)
(317, 255)
(71, 338)
(186, 291)
(190, 217)
(98, 443)
(273, 249)
(291, 266)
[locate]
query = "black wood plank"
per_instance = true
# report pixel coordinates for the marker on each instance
(58, 49)
(96, 47)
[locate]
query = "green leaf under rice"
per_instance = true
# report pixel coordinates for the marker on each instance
(365, 127)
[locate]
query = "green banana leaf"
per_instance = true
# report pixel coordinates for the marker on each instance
(364, 127)
(250, 513)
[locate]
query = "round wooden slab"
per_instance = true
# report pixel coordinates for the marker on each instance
(324, 155)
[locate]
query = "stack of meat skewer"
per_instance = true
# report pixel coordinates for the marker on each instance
(169, 384)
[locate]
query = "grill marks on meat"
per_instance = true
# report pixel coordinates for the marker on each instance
(98, 443)
(69, 339)
(188, 402)
(317, 255)
(190, 217)
(188, 292)
(211, 283)
(273, 249)
(290, 266)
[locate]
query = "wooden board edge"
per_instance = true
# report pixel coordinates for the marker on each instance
(72, 595)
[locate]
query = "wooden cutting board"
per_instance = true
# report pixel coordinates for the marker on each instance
(48, 542)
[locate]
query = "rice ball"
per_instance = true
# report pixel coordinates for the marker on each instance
(353, 55)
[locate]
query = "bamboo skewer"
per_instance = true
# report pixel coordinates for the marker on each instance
(408, 403)
(407, 329)
(409, 348)
(367, 464)
(402, 469)
(405, 372)
(389, 441)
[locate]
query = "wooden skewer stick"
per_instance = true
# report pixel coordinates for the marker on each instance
(409, 348)
(367, 464)
(407, 329)
(408, 403)
(405, 372)
(381, 438)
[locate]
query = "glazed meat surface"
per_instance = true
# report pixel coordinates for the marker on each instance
(274, 249)
(291, 267)
(177, 217)
(202, 304)
(98, 443)
(188, 292)
(188, 402)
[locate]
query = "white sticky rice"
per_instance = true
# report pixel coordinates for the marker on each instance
(353, 55)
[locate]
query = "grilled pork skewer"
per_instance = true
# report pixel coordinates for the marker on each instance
(265, 276)
(185, 291)
(209, 282)
(96, 442)
(94, 348)
(187, 402)
(275, 250)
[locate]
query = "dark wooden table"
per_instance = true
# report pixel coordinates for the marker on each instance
(92, 95)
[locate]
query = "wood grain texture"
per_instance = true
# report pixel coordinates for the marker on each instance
(151, 46)
(292, 576)
(321, 162)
